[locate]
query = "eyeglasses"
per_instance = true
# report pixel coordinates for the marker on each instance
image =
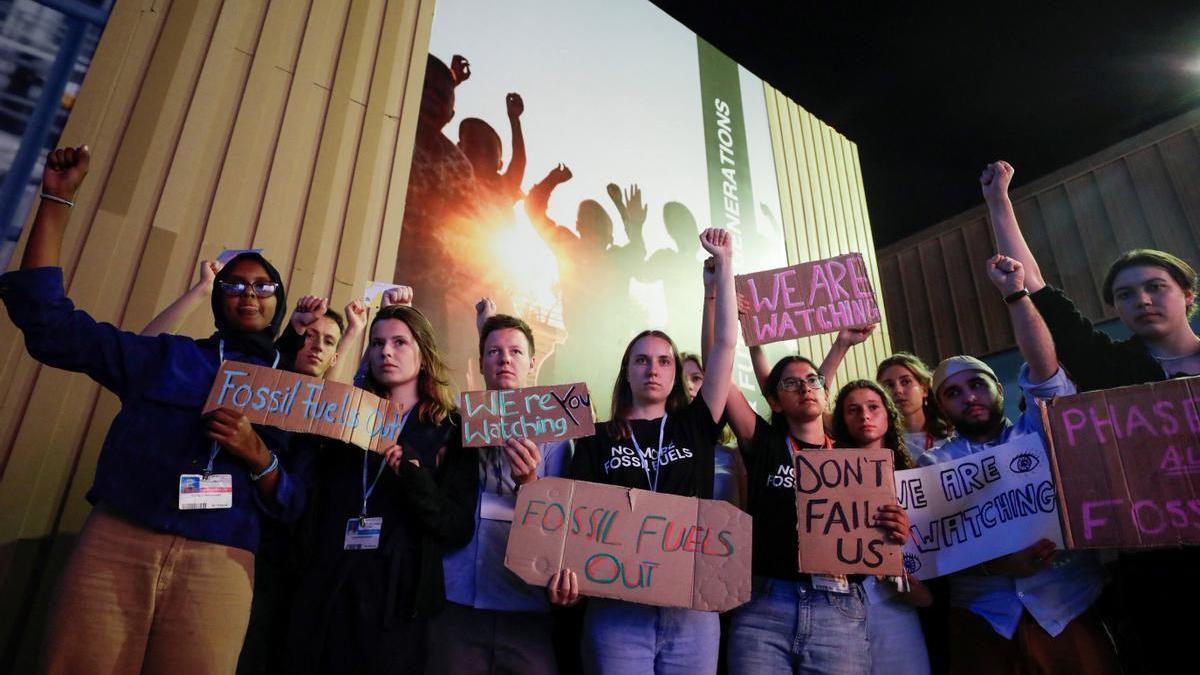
(802, 383)
(263, 289)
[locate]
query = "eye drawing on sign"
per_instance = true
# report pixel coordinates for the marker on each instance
(912, 563)
(1024, 463)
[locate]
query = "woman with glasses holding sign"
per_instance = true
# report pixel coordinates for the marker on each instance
(379, 524)
(865, 417)
(657, 441)
(167, 553)
(794, 622)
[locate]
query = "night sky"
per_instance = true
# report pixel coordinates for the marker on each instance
(931, 94)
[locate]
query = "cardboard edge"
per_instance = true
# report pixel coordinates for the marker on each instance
(1064, 518)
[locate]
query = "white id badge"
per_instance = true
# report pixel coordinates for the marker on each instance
(833, 583)
(198, 492)
(497, 507)
(362, 534)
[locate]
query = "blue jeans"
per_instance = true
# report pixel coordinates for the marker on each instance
(624, 637)
(894, 630)
(787, 627)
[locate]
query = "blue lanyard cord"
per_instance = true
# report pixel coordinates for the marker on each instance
(212, 454)
(368, 489)
(657, 456)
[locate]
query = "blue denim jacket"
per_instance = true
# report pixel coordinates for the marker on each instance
(1053, 597)
(163, 383)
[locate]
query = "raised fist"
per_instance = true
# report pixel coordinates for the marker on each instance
(65, 170)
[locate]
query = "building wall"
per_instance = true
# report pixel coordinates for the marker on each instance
(213, 125)
(1140, 193)
(824, 213)
(285, 125)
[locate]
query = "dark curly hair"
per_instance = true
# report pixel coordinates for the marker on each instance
(893, 438)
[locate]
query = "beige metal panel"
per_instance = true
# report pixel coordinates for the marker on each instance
(107, 266)
(1181, 156)
(205, 120)
(195, 167)
(99, 118)
(1156, 194)
(293, 165)
(1120, 204)
(823, 212)
(1137, 193)
(325, 214)
(364, 225)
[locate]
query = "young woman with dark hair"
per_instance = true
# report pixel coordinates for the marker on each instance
(657, 440)
(161, 577)
(377, 535)
(866, 417)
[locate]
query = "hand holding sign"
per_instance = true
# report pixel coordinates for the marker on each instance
(845, 507)
(563, 588)
(394, 455)
(894, 519)
(233, 432)
(523, 456)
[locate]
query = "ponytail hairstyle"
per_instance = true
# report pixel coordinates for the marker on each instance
(433, 381)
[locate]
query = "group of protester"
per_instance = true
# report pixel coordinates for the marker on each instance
(394, 561)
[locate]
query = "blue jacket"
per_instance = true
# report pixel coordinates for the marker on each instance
(163, 383)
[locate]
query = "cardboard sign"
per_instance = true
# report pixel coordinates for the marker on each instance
(1127, 463)
(634, 545)
(541, 414)
(807, 299)
(837, 495)
(978, 508)
(303, 404)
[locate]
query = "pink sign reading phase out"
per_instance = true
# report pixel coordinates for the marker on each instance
(1127, 463)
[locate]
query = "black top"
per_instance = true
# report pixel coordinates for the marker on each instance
(771, 475)
(353, 599)
(684, 467)
(1091, 358)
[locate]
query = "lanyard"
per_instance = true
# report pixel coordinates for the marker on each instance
(367, 490)
(827, 444)
(657, 456)
(212, 454)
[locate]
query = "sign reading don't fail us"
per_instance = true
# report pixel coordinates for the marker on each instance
(838, 493)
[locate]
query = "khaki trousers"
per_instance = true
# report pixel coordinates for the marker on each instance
(136, 601)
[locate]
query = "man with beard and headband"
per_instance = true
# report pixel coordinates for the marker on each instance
(493, 621)
(1032, 610)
